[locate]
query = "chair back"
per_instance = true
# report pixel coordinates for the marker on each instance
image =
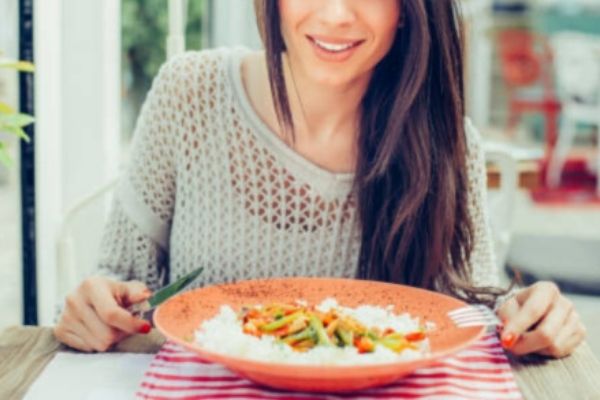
(501, 202)
(577, 66)
(79, 237)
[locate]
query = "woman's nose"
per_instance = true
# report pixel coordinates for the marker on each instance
(337, 12)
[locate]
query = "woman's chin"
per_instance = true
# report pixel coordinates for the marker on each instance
(332, 78)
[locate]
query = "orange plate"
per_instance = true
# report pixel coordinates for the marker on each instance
(181, 315)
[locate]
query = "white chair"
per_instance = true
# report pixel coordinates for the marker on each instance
(68, 253)
(501, 202)
(577, 64)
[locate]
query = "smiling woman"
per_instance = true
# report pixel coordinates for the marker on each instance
(384, 101)
(320, 51)
(341, 150)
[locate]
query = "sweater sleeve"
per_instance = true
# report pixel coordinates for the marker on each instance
(483, 260)
(135, 243)
(127, 253)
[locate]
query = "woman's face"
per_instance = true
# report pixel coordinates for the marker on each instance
(335, 42)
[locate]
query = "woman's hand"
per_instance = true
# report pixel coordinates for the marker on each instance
(94, 317)
(539, 319)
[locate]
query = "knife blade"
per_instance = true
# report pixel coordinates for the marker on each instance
(164, 293)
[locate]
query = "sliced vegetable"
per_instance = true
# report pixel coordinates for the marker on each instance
(298, 324)
(278, 323)
(364, 344)
(306, 334)
(396, 344)
(415, 336)
(317, 325)
(304, 328)
(331, 327)
(345, 336)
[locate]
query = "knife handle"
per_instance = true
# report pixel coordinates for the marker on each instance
(139, 309)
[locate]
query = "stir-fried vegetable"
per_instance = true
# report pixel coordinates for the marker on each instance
(303, 328)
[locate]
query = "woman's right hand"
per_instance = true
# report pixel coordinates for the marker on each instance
(95, 316)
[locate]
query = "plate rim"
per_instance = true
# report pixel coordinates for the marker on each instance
(277, 369)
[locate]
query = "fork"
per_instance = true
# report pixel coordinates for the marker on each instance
(474, 315)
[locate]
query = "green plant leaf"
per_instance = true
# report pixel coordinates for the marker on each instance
(4, 156)
(19, 132)
(23, 66)
(15, 120)
(6, 109)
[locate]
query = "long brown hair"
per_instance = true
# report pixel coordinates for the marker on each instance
(411, 177)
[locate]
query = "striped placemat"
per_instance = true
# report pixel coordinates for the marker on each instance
(480, 372)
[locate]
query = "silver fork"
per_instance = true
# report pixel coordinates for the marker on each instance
(474, 315)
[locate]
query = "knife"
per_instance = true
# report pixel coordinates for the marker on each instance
(164, 293)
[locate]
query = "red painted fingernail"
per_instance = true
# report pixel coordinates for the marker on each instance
(509, 340)
(145, 329)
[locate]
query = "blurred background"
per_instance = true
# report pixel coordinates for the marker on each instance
(533, 90)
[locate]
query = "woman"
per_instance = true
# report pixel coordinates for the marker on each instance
(341, 150)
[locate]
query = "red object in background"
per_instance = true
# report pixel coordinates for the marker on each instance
(577, 186)
(528, 74)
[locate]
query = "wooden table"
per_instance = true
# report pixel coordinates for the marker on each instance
(25, 351)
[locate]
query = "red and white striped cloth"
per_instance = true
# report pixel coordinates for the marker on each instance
(480, 372)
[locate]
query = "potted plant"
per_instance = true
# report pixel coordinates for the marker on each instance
(12, 122)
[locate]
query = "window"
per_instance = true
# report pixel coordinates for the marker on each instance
(145, 27)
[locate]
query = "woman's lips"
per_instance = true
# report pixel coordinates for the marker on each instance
(333, 50)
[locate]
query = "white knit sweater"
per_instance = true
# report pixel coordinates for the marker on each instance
(208, 184)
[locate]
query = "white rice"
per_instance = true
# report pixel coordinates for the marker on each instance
(223, 334)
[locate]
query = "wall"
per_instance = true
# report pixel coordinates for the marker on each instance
(233, 24)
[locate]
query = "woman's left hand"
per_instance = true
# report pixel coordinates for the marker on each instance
(539, 319)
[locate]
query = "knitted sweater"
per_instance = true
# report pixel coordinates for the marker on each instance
(209, 184)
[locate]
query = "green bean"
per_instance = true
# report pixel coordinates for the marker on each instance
(278, 323)
(345, 336)
(372, 335)
(317, 325)
(307, 333)
(393, 343)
